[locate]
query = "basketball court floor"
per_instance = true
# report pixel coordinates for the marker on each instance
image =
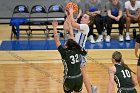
(35, 66)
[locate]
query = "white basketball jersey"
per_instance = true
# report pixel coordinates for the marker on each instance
(81, 35)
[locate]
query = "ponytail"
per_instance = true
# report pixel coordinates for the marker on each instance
(126, 66)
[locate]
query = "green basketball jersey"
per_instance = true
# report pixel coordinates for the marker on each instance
(123, 77)
(71, 61)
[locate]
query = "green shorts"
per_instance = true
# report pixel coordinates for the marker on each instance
(138, 64)
(127, 91)
(73, 84)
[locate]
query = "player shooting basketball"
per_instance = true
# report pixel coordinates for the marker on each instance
(80, 37)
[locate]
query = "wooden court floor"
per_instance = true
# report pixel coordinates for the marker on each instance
(42, 71)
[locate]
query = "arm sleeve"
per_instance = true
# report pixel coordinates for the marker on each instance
(138, 38)
(62, 51)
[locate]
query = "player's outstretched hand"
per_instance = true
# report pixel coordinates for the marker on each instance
(71, 11)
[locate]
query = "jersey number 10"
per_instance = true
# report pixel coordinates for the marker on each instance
(126, 73)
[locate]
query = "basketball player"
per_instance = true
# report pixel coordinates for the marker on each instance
(137, 45)
(80, 37)
(122, 75)
(70, 54)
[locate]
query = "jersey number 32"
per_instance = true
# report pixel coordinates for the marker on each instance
(74, 58)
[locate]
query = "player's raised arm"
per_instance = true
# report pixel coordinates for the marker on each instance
(56, 38)
(73, 22)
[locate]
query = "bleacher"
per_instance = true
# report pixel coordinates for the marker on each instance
(7, 11)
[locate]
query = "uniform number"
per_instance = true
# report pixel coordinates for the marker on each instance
(126, 73)
(74, 59)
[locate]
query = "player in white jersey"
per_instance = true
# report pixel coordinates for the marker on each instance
(80, 37)
(81, 34)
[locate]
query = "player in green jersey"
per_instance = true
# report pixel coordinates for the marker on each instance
(70, 54)
(137, 45)
(122, 75)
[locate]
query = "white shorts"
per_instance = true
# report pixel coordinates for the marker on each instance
(82, 60)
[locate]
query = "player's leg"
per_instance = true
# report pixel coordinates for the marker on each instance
(138, 74)
(86, 79)
(90, 88)
(84, 73)
(138, 71)
(128, 21)
(139, 23)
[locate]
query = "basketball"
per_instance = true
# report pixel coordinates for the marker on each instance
(70, 4)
